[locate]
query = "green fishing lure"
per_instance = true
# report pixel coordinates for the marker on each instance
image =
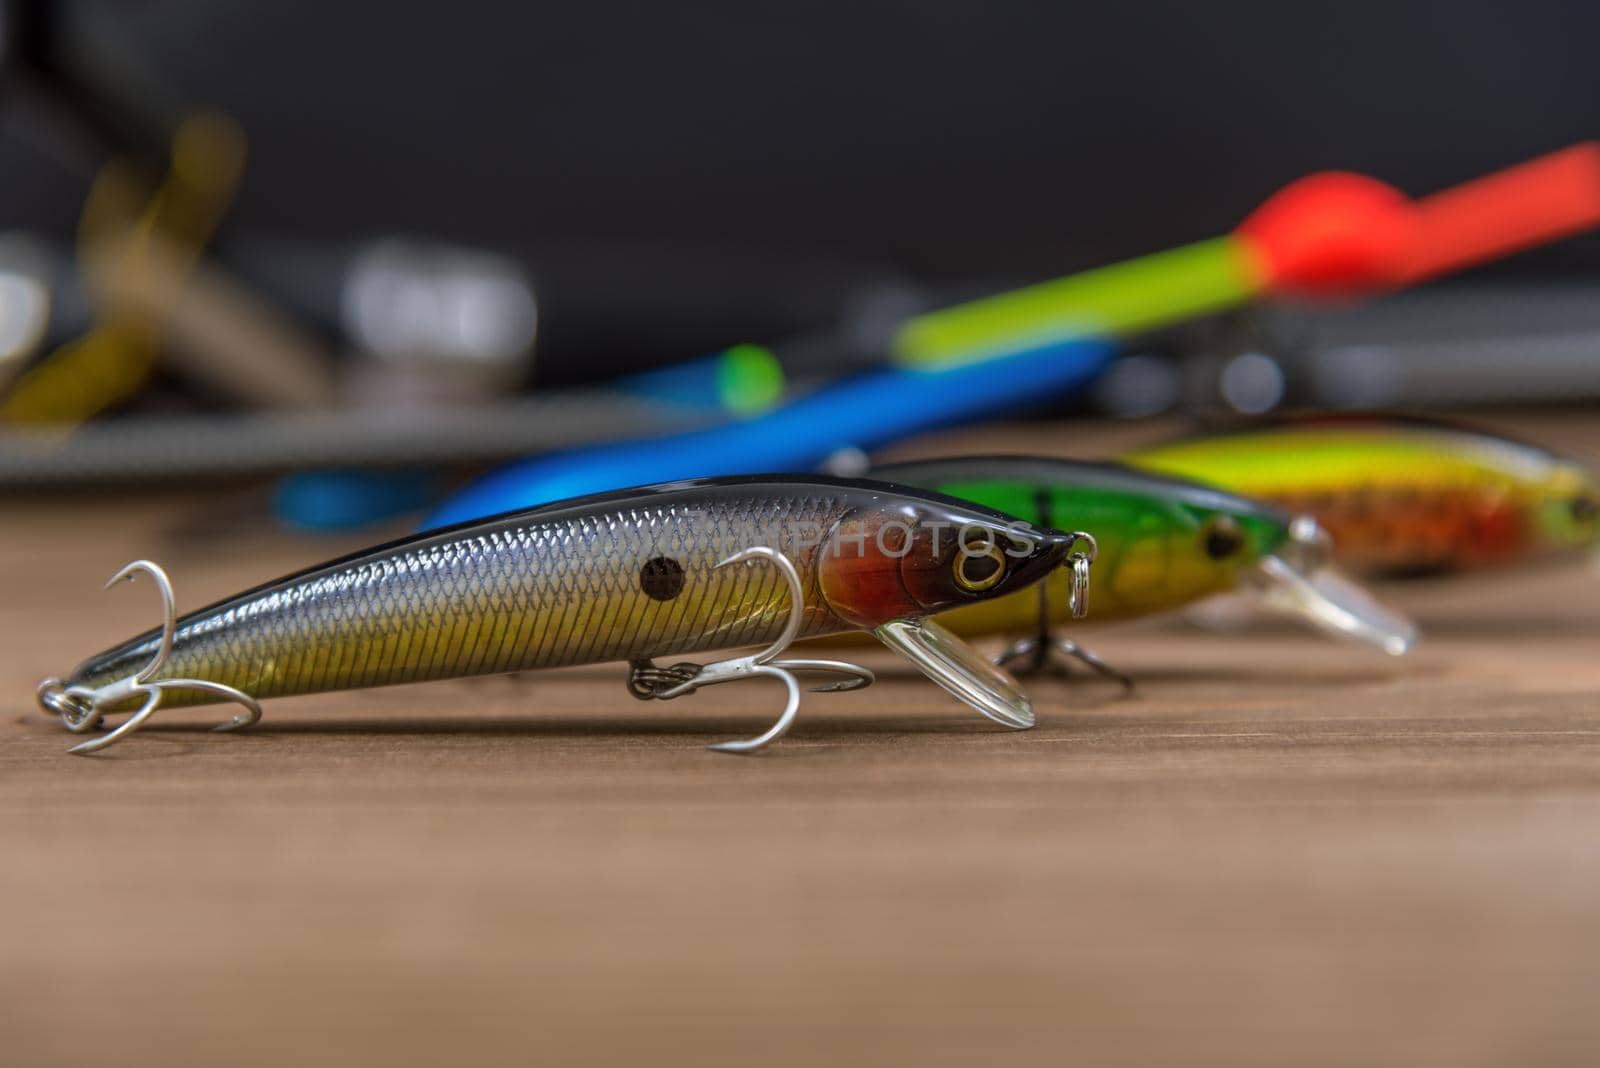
(1162, 543)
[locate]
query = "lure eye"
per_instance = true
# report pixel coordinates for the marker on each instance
(979, 567)
(661, 578)
(1221, 537)
(1584, 508)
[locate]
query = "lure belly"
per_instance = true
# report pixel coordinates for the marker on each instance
(1401, 497)
(629, 575)
(1163, 543)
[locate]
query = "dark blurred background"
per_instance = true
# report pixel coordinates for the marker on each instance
(678, 177)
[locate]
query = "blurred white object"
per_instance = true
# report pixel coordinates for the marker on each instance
(26, 270)
(441, 309)
(1252, 383)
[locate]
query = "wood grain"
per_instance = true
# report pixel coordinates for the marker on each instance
(1279, 850)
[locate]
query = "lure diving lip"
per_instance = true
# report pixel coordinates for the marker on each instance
(1401, 497)
(629, 575)
(1331, 602)
(1162, 543)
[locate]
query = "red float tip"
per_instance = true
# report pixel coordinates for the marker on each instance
(1333, 232)
(1536, 202)
(1338, 234)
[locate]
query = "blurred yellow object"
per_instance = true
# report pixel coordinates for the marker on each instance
(126, 250)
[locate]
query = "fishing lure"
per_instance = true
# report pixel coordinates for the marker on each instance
(1402, 497)
(629, 575)
(1162, 543)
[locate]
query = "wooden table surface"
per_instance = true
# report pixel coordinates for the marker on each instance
(1278, 850)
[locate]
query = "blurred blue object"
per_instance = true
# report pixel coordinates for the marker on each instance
(742, 380)
(865, 411)
(341, 499)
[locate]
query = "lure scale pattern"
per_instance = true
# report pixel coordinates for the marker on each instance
(509, 596)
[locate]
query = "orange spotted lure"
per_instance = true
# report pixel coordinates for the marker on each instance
(1402, 497)
(680, 568)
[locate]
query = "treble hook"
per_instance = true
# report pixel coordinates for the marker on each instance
(1042, 648)
(80, 707)
(646, 681)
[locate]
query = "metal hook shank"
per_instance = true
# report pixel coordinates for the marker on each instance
(763, 663)
(82, 707)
